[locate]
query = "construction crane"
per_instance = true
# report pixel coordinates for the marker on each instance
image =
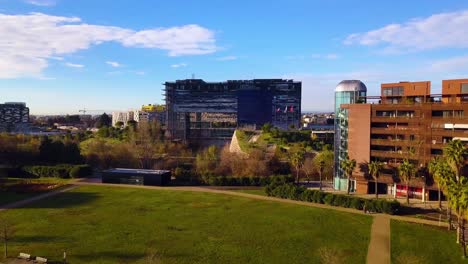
(84, 111)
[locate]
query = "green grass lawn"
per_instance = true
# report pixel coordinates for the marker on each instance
(257, 191)
(97, 224)
(415, 243)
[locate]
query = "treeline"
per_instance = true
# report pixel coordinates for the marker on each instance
(23, 150)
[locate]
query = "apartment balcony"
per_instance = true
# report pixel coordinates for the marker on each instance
(449, 132)
(450, 120)
(395, 130)
(393, 154)
(393, 142)
(449, 106)
(393, 119)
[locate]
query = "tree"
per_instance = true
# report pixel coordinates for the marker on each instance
(7, 230)
(406, 171)
(348, 166)
(146, 143)
(206, 161)
(297, 160)
(266, 128)
(441, 172)
(327, 157)
(103, 120)
(309, 167)
(455, 153)
(119, 124)
(375, 167)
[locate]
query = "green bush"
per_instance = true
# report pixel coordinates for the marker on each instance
(245, 181)
(356, 203)
(294, 192)
(63, 171)
(81, 171)
(329, 198)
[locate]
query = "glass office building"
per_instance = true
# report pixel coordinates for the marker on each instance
(346, 92)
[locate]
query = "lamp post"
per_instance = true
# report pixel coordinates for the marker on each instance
(424, 190)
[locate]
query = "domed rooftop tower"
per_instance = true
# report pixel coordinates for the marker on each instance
(346, 92)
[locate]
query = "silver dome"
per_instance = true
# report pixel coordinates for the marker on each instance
(351, 86)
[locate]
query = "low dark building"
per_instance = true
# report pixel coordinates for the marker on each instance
(137, 177)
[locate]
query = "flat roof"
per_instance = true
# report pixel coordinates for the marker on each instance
(137, 171)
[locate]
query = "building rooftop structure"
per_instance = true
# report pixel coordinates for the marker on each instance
(351, 86)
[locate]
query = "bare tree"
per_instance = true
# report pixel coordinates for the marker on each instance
(7, 231)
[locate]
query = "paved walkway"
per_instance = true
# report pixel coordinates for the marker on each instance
(36, 198)
(379, 245)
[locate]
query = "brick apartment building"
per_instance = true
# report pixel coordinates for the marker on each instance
(405, 122)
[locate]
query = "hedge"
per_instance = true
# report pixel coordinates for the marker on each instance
(294, 192)
(59, 171)
(248, 181)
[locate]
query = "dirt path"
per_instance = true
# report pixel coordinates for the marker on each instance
(379, 245)
(36, 198)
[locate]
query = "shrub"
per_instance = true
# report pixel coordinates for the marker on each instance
(294, 192)
(356, 203)
(318, 197)
(371, 206)
(58, 171)
(81, 171)
(329, 198)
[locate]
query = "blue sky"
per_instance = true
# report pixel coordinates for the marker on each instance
(60, 56)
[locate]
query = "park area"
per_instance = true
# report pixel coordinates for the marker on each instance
(95, 224)
(102, 224)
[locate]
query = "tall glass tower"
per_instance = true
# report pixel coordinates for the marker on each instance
(346, 92)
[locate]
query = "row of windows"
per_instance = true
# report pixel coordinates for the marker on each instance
(393, 91)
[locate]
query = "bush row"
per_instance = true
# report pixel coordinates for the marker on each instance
(294, 192)
(59, 171)
(249, 181)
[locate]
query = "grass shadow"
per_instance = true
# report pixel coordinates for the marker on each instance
(64, 200)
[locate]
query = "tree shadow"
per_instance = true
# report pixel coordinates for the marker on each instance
(36, 239)
(115, 256)
(64, 200)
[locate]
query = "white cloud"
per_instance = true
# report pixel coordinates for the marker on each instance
(179, 65)
(28, 41)
(73, 65)
(454, 64)
(41, 2)
(227, 58)
(114, 64)
(444, 30)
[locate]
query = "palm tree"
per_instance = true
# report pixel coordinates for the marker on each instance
(406, 170)
(455, 152)
(348, 166)
(441, 172)
(375, 167)
(297, 160)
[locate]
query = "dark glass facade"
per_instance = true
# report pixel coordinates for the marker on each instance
(198, 110)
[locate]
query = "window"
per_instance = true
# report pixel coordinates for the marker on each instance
(464, 88)
(393, 91)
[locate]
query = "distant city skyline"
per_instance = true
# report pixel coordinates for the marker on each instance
(61, 56)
